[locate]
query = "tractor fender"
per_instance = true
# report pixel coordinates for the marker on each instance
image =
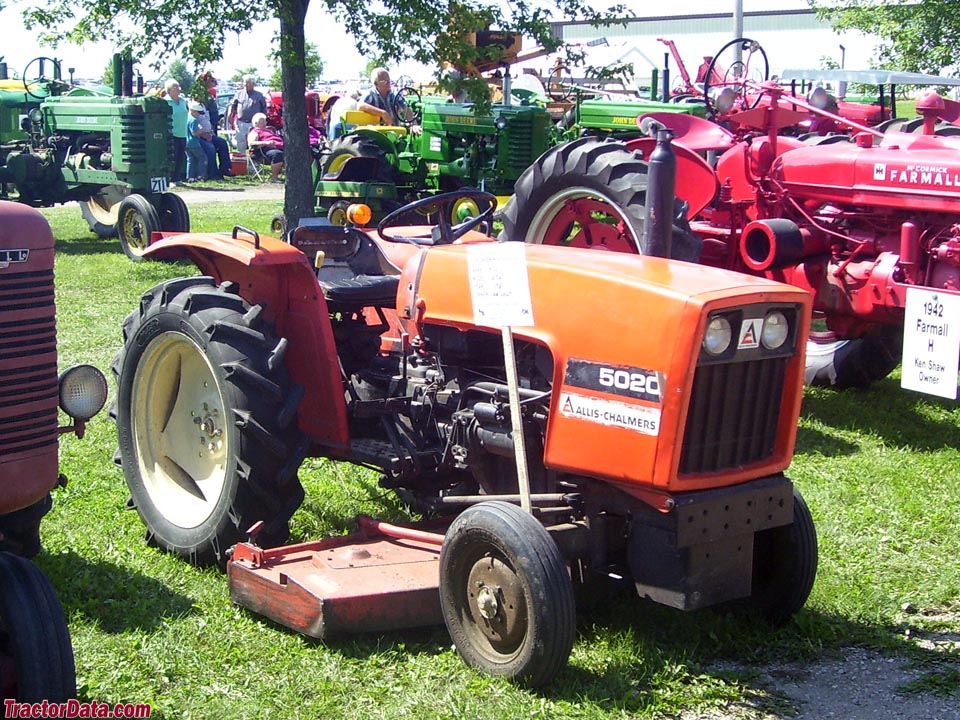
(381, 139)
(696, 182)
(278, 277)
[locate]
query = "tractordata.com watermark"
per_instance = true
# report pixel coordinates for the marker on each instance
(74, 709)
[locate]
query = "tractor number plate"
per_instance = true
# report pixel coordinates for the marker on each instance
(158, 184)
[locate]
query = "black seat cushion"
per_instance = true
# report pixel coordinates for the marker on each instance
(362, 290)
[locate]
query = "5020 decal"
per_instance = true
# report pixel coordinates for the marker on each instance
(633, 382)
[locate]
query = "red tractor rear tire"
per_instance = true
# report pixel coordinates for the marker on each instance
(588, 193)
(856, 362)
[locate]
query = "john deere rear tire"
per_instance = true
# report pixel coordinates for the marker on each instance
(353, 145)
(588, 193)
(206, 420)
(100, 211)
(856, 362)
(36, 657)
(137, 220)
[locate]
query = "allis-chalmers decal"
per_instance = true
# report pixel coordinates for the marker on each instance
(13, 256)
(632, 382)
(933, 175)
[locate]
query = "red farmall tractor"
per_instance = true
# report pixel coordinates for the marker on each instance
(857, 219)
(36, 658)
(577, 447)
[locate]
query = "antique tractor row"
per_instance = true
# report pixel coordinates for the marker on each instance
(36, 658)
(860, 221)
(112, 153)
(647, 450)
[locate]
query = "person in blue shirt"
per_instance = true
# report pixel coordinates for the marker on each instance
(178, 105)
(196, 155)
(382, 101)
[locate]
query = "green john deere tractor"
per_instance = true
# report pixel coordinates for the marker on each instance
(111, 152)
(388, 166)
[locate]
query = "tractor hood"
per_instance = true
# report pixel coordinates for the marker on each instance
(904, 169)
(619, 312)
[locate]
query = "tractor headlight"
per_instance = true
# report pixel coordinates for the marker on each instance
(725, 100)
(36, 115)
(83, 392)
(775, 330)
(717, 337)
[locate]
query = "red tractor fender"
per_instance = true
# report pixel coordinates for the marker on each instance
(696, 181)
(277, 276)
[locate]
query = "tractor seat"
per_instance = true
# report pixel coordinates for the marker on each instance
(353, 271)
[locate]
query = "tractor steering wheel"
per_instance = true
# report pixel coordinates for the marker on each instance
(446, 206)
(400, 100)
(735, 77)
(41, 78)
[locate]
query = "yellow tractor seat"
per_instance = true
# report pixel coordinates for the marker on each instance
(361, 119)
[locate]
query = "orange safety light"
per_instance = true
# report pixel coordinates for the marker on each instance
(359, 214)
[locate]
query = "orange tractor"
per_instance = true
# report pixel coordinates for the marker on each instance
(562, 420)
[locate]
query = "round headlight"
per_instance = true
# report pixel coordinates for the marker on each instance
(36, 115)
(775, 330)
(725, 100)
(83, 391)
(716, 339)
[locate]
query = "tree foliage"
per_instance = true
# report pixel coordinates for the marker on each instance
(430, 31)
(918, 36)
(312, 63)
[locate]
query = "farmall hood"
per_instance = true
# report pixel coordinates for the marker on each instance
(904, 170)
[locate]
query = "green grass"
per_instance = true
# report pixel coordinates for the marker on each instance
(879, 469)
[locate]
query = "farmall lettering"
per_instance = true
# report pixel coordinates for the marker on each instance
(925, 175)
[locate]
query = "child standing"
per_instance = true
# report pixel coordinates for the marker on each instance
(196, 157)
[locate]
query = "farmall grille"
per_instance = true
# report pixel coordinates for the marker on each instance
(28, 362)
(734, 413)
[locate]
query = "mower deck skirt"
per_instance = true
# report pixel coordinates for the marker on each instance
(382, 578)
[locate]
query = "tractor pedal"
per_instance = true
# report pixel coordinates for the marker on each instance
(381, 454)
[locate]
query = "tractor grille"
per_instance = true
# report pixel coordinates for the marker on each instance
(520, 146)
(734, 413)
(133, 139)
(28, 362)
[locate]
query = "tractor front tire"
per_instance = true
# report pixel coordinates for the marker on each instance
(856, 362)
(172, 212)
(591, 194)
(137, 219)
(206, 420)
(506, 595)
(36, 657)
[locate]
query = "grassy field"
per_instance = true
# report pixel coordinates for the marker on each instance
(879, 469)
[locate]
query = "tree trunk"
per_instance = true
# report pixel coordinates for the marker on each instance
(298, 200)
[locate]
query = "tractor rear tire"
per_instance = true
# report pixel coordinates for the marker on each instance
(172, 212)
(137, 219)
(206, 420)
(352, 145)
(784, 567)
(100, 211)
(588, 193)
(854, 363)
(506, 595)
(36, 658)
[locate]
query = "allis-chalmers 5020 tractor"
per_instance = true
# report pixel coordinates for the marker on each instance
(649, 447)
(857, 219)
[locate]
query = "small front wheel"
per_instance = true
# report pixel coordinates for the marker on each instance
(506, 595)
(137, 220)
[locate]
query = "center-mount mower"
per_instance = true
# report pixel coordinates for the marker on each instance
(655, 403)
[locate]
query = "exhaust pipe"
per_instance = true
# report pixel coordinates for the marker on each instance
(771, 244)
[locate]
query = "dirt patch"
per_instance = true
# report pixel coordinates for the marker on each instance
(862, 684)
(193, 195)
